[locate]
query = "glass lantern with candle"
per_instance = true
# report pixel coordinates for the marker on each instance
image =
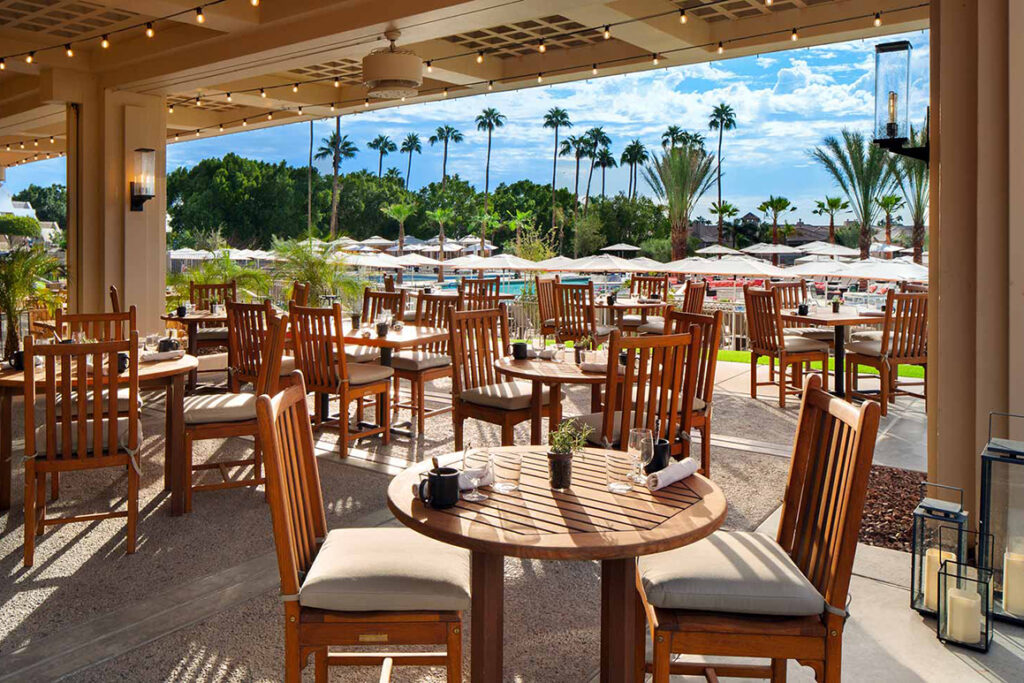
(143, 177)
(965, 610)
(892, 90)
(1002, 517)
(931, 546)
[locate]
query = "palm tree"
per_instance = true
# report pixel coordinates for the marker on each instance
(399, 212)
(441, 216)
(384, 146)
(863, 172)
(889, 204)
(830, 207)
(723, 118)
(635, 154)
(519, 221)
(409, 145)
(309, 183)
(488, 120)
(445, 134)
(555, 118)
(680, 177)
(605, 160)
(337, 147)
(775, 207)
(912, 178)
(672, 137)
(486, 219)
(575, 145)
(723, 210)
(596, 139)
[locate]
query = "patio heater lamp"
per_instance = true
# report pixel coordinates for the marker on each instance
(892, 100)
(930, 548)
(143, 183)
(1002, 520)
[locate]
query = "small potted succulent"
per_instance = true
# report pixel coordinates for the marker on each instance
(564, 442)
(584, 344)
(836, 303)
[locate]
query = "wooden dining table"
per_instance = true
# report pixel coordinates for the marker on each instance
(168, 375)
(584, 523)
(192, 320)
(620, 306)
(824, 317)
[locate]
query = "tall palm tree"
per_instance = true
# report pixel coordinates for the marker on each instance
(596, 139)
(912, 178)
(863, 172)
(605, 160)
(723, 118)
(446, 135)
(680, 177)
(410, 144)
(309, 183)
(486, 219)
(634, 155)
(723, 210)
(672, 137)
(442, 215)
(337, 147)
(775, 207)
(831, 206)
(399, 212)
(556, 118)
(575, 145)
(384, 146)
(488, 120)
(889, 204)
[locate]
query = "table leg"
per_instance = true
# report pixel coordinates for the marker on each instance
(840, 362)
(168, 441)
(555, 402)
(619, 605)
(488, 586)
(6, 462)
(536, 410)
(176, 408)
(193, 347)
(595, 398)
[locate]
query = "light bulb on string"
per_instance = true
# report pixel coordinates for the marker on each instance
(332, 106)
(52, 140)
(199, 101)
(540, 78)
(593, 70)
(490, 85)
(878, 19)
(366, 103)
(263, 93)
(295, 87)
(654, 59)
(3, 64)
(793, 36)
(254, 3)
(245, 122)
(446, 92)
(197, 132)
(149, 30)
(337, 83)
(30, 57)
(170, 108)
(200, 17)
(105, 42)
(221, 127)
(607, 32)
(721, 48)
(682, 16)
(480, 57)
(270, 116)
(68, 51)
(541, 47)
(300, 111)
(430, 67)
(228, 96)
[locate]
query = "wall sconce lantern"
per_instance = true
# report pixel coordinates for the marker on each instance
(1002, 520)
(892, 100)
(143, 183)
(930, 547)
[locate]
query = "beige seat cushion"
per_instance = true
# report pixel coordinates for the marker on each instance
(730, 571)
(123, 402)
(867, 347)
(212, 334)
(508, 395)
(866, 335)
(419, 360)
(209, 408)
(409, 316)
(595, 421)
(386, 570)
(801, 344)
(699, 404)
(366, 373)
(362, 354)
(213, 362)
(605, 330)
(123, 429)
(634, 320)
(819, 333)
(550, 322)
(287, 365)
(652, 327)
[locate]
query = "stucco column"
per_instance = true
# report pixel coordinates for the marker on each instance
(108, 244)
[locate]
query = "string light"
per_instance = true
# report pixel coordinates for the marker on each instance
(593, 70)
(52, 140)
(197, 132)
(541, 47)
(366, 102)
(682, 16)
(654, 59)
(35, 143)
(68, 51)
(332, 106)
(430, 67)
(270, 116)
(149, 30)
(446, 92)
(245, 122)
(221, 127)
(254, 3)
(403, 98)
(199, 102)
(767, 3)
(295, 88)
(878, 18)
(229, 97)
(540, 78)
(480, 57)
(3, 64)
(263, 93)
(721, 48)
(337, 83)
(105, 41)
(200, 17)
(170, 108)
(607, 32)
(30, 57)
(175, 137)
(300, 111)
(793, 35)
(490, 85)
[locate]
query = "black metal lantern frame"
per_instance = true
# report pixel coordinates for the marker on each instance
(928, 551)
(1002, 520)
(892, 100)
(965, 606)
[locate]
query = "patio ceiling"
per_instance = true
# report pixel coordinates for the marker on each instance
(240, 49)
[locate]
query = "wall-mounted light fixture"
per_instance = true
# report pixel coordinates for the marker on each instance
(143, 182)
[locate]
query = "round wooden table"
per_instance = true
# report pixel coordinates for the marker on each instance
(584, 523)
(553, 374)
(168, 374)
(192, 321)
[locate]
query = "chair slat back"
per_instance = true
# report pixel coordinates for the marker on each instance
(764, 321)
(710, 327)
(389, 283)
(77, 391)
(828, 479)
(319, 347)
(913, 288)
(905, 331)
(115, 300)
(375, 302)
(202, 295)
(655, 389)
(575, 313)
(273, 348)
(646, 286)
(476, 340)
(247, 329)
(791, 294)
(546, 298)
(432, 311)
(477, 294)
(300, 293)
(293, 482)
(693, 300)
(97, 326)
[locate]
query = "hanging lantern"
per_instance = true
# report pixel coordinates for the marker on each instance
(142, 183)
(930, 547)
(1002, 519)
(892, 100)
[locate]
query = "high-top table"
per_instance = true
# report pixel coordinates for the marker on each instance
(192, 320)
(824, 317)
(584, 523)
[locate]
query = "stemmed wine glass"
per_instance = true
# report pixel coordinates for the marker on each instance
(641, 452)
(475, 472)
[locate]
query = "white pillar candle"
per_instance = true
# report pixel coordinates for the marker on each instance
(972, 574)
(933, 559)
(1013, 583)
(963, 615)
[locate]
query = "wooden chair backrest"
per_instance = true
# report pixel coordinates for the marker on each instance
(65, 372)
(319, 347)
(575, 313)
(432, 311)
(293, 482)
(98, 326)
(389, 283)
(764, 321)
(905, 331)
(476, 294)
(201, 296)
(300, 293)
(693, 300)
(477, 339)
(791, 294)
(679, 322)
(656, 389)
(115, 300)
(647, 285)
(247, 330)
(375, 302)
(546, 298)
(913, 287)
(828, 478)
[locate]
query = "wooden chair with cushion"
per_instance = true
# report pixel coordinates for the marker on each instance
(767, 338)
(644, 287)
(477, 294)
(576, 314)
(904, 341)
(247, 330)
(693, 302)
(202, 296)
(424, 364)
(744, 594)
(319, 354)
(115, 300)
(95, 326)
(476, 340)
(375, 303)
(791, 295)
(546, 304)
(352, 587)
(93, 434)
(222, 416)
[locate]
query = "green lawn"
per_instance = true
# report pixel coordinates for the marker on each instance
(911, 371)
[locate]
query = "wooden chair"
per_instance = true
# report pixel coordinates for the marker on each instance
(693, 303)
(766, 338)
(477, 294)
(791, 295)
(913, 288)
(645, 286)
(247, 329)
(202, 296)
(744, 594)
(477, 339)
(319, 354)
(389, 283)
(222, 416)
(115, 300)
(424, 364)
(375, 303)
(904, 341)
(69, 439)
(704, 384)
(400, 588)
(576, 314)
(96, 326)
(546, 304)
(300, 293)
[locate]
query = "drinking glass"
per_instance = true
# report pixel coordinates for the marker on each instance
(641, 452)
(508, 467)
(617, 468)
(475, 471)
(152, 342)
(559, 352)
(537, 342)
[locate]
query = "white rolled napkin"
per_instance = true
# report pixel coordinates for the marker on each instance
(485, 473)
(677, 470)
(157, 356)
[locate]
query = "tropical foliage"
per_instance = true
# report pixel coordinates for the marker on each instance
(50, 203)
(19, 226)
(323, 269)
(912, 178)
(723, 118)
(680, 177)
(23, 275)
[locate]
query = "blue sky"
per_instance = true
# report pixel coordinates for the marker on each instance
(785, 102)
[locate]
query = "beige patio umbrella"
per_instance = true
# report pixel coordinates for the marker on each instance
(718, 250)
(648, 263)
(416, 260)
(820, 248)
(605, 263)
(374, 260)
(735, 266)
(556, 263)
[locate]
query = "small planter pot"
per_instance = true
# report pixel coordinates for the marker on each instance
(560, 471)
(382, 329)
(357, 318)
(578, 352)
(835, 306)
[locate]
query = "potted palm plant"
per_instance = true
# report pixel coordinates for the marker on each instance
(564, 442)
(22, 282)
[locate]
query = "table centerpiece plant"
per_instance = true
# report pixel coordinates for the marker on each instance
(568, 439)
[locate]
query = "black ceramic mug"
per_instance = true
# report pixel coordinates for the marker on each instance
(167, 344)
(439, 488)
(802, 309)
(519, 350)
(661, 455)
(17, 360)
(181, 311)
(122, 361)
